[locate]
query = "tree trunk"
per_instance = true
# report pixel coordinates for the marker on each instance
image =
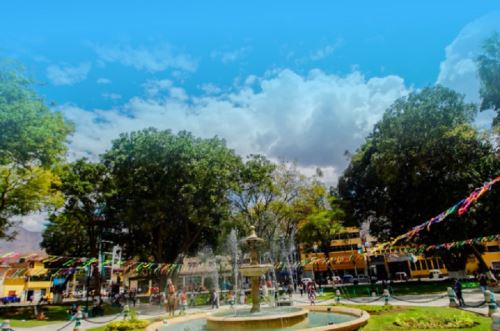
(482, 267)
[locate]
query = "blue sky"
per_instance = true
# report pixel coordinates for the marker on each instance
(301, 81)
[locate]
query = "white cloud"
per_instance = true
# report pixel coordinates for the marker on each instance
(103, 81)
(311, 120)
(153, 59)
(324, 52)
(33, 222)
(68, 75)
(459, 70)
(230, 56)
(111, 96)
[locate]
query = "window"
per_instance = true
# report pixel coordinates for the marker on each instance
(493, 248)
(419, 265)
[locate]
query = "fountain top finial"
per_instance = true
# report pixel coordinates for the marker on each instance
(253, 236)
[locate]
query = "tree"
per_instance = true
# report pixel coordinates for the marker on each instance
(322, 219)
(76, 228)
(32, 143)
(489, 74)
(420, 159)
(171, 191)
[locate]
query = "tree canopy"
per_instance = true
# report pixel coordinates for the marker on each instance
(489, 74)
(32, 143)
(171, 191)
(74, 229)
(420, 159)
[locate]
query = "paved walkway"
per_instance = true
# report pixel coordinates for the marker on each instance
(146, 311)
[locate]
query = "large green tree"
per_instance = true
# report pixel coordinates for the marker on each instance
(489, 74)
(172, 191)
(74, 229)
(420, 159)
(32, 143)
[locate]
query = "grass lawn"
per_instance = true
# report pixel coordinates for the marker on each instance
(400, 288)
(23, 317)
(399, 318)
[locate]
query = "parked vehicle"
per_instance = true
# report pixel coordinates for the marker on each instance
(362, 279)
(401, 275)
(347, 278)
(10, 299)
(435, 273)
(336, 280)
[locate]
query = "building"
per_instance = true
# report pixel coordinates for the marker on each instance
(345, 257)
(27, 279)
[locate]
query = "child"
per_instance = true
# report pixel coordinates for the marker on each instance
(183, 302)
(230, 299)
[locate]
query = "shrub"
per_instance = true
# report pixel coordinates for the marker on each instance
(126, 325)
(459, 321)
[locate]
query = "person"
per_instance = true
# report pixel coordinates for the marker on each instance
(6, 326)
(458, 293)
(72, 310)
(126, 311)
(192, 301)
(483, 282)
(170, 297)
(311, 292)
(183, 301)
(77, 317)
(214, 299)
(230, 299)
(290, 291)
(242, 297)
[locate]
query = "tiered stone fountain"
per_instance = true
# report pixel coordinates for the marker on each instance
(271, 318)
(317, 318)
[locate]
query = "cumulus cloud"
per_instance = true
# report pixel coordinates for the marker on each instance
(459, 70)
(68, 75)
(309, 119)
(152, 59)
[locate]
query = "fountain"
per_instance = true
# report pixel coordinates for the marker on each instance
(254, 270)
(268, 319)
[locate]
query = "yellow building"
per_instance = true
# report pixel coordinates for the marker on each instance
(491, 257)
(27, 280)
(343, 258)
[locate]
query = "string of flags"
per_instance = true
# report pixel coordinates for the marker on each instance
(460, 208)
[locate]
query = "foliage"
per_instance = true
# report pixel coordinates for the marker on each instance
(127, 325)
(171, 191)
(458, 321)
(32, 142)
(428, 318)
(74, 230)
(322, 219)
(420, 159)
(489, 74)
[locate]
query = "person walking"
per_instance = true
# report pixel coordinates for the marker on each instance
(183, 302)
(170, 298)
(214, 299)
(483, 282)
(458, 293)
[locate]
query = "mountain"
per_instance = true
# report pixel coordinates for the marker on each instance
(25, 242)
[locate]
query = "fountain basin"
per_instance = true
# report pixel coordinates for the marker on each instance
(265, 319)
(344, 319)
(251, 270)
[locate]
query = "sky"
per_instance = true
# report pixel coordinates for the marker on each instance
(293, 80)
